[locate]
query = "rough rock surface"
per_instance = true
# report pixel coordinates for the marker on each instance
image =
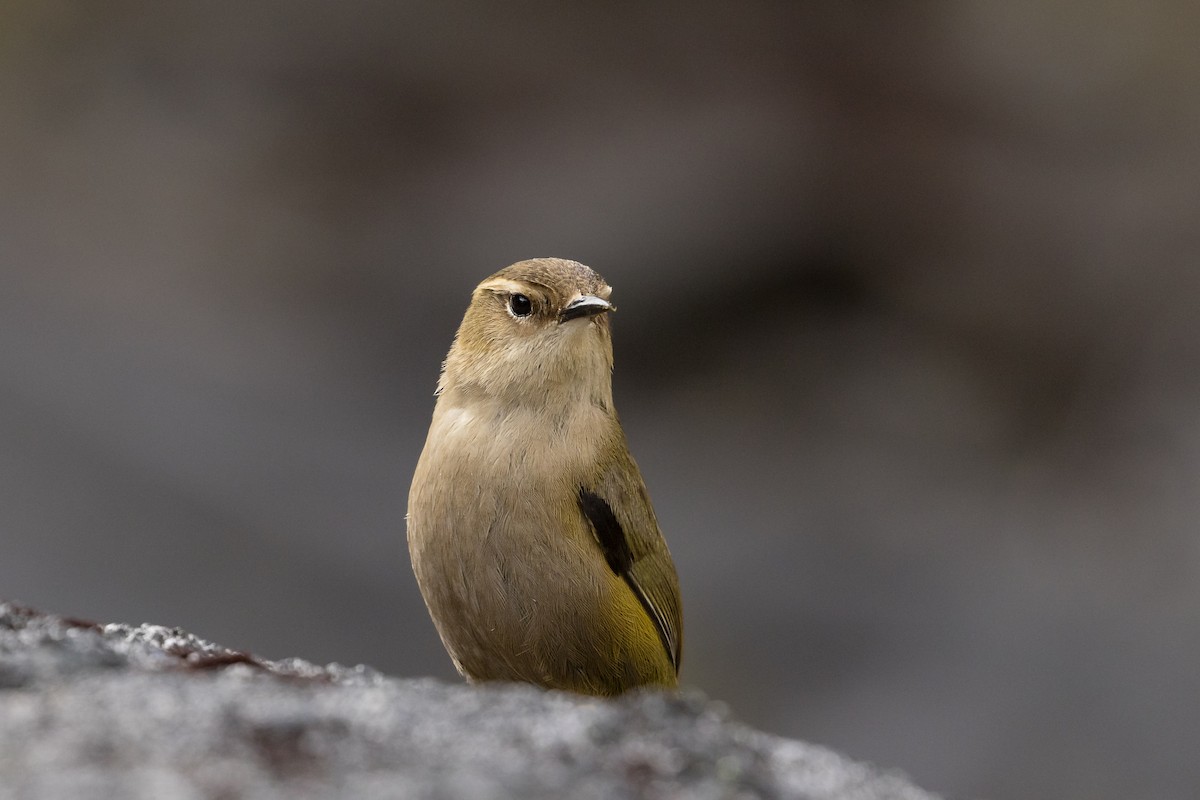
(90, 710)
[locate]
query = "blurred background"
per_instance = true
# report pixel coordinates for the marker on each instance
(907, 344)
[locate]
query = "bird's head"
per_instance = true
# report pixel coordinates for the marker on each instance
(535, 331)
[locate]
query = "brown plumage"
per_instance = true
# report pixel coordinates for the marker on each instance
(530, 529)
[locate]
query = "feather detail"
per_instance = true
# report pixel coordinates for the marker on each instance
(619, 556)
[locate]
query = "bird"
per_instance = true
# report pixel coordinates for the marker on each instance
(530, 529)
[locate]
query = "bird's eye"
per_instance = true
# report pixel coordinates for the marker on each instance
(520, 305)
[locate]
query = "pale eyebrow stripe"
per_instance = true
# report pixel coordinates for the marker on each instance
(504, 285)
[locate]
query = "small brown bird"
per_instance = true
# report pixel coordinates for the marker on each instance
(530, 530)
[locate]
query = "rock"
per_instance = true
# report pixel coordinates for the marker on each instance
(90, 711)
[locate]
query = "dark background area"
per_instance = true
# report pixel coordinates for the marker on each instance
(906, 345)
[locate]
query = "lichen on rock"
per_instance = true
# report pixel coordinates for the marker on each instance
(90, 710)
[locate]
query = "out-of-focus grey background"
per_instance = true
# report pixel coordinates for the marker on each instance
(907, 343)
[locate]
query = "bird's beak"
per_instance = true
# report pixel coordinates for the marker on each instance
(587, 305)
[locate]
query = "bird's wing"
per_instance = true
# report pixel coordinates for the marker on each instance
(618, 507)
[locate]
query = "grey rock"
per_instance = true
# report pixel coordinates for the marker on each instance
(93, 711)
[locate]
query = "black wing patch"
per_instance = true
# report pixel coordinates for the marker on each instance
(608, 531)
(615, 547)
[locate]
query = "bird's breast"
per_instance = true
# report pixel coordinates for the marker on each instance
(494, 496)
